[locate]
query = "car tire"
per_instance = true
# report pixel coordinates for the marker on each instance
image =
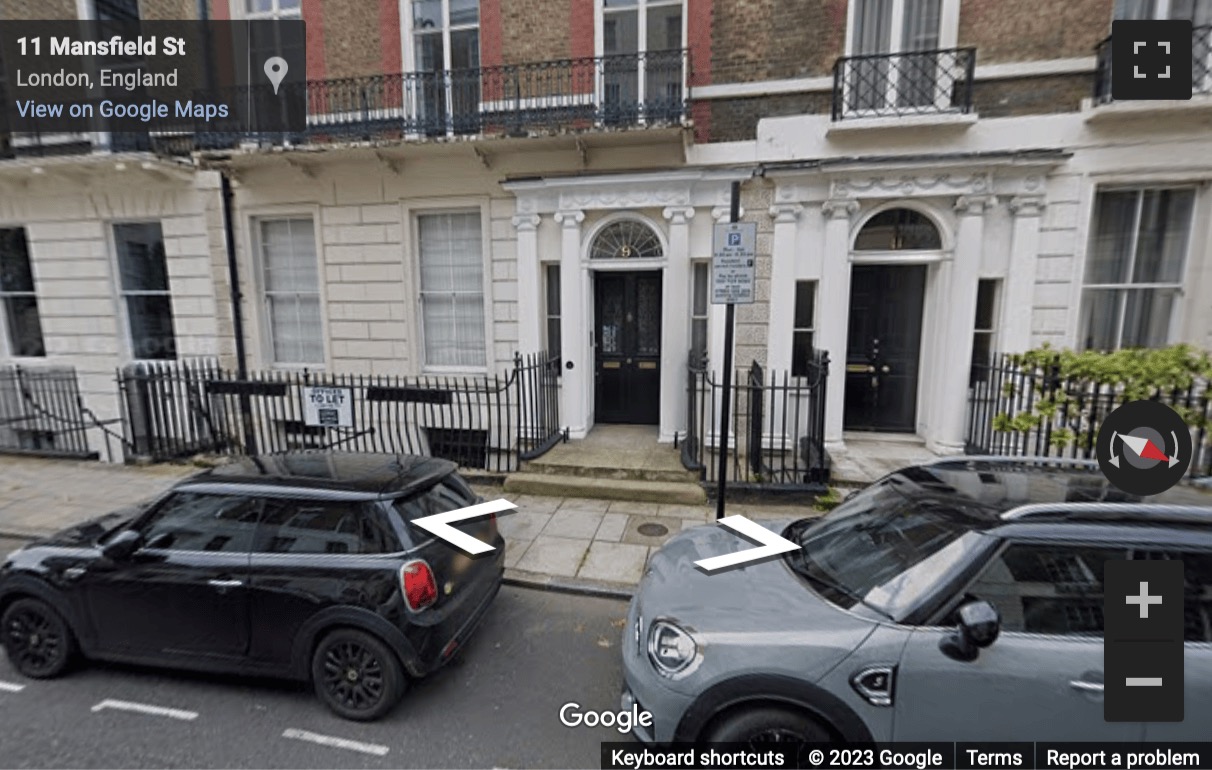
(38, 641)
(768, 724)
(357, 676)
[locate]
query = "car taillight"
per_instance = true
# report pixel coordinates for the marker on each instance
(417, 582)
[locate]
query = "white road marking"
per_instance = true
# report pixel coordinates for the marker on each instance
(143, 708)
(10, 687)
(337, 743)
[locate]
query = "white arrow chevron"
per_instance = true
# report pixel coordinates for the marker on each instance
(438, 525)
(770, 544)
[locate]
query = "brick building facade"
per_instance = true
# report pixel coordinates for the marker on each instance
(957, 163)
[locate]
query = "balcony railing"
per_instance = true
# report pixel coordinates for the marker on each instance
(618, 91)
(1201, 66)
(901, 84)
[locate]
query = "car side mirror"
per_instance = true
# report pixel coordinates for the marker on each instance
(122, 545)
(979, 626)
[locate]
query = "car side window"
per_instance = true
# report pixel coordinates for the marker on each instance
(323, 526)
(193, 521)
(1197, 590)
(1047, 589)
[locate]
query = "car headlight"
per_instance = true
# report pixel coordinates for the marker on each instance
(670, 649)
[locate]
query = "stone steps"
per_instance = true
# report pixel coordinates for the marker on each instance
(673, 475)
(568, 485)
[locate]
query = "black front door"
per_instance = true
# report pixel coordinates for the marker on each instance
(884, 345)
(627, 333)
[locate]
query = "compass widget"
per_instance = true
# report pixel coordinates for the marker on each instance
(1144, 448)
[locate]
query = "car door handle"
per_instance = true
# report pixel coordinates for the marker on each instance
(1084, 686)
(225, 583)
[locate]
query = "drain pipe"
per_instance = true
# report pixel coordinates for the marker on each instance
(237, 315)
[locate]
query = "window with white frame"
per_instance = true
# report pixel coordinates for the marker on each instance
(451, 250)
(143, 285)
(21, 322)
(1134, 267)
(804, 329)
(984, 332)
(881, 27)
(445, 39)
(642, 40)
(552, 279)
(1199, 12)
(273, 9)
(291, 285)
(699, 309)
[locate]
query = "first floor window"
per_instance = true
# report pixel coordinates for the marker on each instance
(1134, 268)
(143, 284)
(553, 311)
(451, 249)
(21, 319)
(804, 330)
(984, 334)
(701, 272)
(292, 290)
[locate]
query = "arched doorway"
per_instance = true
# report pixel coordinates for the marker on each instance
(890, 257)
(627, 323)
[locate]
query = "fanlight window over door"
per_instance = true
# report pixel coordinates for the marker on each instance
(897, 230)
(626, 239)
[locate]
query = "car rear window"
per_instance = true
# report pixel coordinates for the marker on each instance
(450, 494)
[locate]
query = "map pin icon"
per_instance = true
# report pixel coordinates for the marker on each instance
(275, 70)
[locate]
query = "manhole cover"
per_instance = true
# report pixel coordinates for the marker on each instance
(652, 529)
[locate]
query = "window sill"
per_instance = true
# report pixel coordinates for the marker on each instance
(959, 121)
(1116, 112)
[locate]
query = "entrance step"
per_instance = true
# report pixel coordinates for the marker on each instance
(558, 485)
(673, 472)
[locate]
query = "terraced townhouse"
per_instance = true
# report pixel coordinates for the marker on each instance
(933, 182)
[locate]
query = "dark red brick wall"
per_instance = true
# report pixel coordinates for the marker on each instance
(390, 53)
(1031, 96)
(763, 39)
(735, 120)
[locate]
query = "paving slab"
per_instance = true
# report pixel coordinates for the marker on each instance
(616, 562)
(612, 527)
(552, 555)
(573, 523)
(633, 506)
(584, 504)
(635, 537)
(522, 525)
(514, 549)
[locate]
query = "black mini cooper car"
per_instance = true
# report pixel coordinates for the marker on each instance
(301, 566)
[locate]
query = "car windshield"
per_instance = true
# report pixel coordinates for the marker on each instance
(875, 538)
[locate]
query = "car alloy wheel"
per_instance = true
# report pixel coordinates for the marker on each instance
(37, 641)
(356, 675)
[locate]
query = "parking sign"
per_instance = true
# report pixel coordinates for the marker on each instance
(733, 273)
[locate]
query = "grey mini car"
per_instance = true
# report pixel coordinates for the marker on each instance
(959, 601)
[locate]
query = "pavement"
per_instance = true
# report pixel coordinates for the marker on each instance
(588, 545)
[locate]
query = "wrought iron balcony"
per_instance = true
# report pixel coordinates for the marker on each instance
(1201, 65)
(902, 84)
(617, 91)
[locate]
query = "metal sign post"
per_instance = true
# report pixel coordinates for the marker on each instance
(732, 278)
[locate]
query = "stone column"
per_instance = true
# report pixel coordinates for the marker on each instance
(833, 301)
(959, 278)
(530, 282)
(782, 286)
(1018, 297)
(575, 318)
(675, 323)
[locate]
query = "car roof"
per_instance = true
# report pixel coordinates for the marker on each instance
(1042, 489)
(358, 474)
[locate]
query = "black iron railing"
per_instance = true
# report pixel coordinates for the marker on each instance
(777, 431)
(41, 412)
(1201, 65)
(1005, 415)
(181, 409)
(900, 84)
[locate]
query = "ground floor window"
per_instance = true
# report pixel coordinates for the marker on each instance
(804, 329)
(701, 272)
(292, 290)
(1134, 267)
(552, 277)
(20, 305)
(143, 284)
(984, 335)
(451, 249)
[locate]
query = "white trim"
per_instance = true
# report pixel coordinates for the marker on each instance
(1002, 71)
(650, 263)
